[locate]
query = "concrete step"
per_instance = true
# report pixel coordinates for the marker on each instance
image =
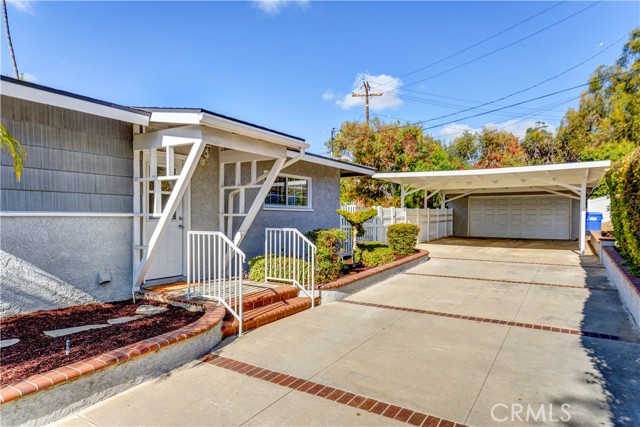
(265, 314)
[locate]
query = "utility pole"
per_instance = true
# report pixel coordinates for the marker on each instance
(366, 95)
(333, 133)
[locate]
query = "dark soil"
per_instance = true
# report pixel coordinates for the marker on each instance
(348, 261)
(37, 353)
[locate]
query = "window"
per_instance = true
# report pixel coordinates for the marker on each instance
(290, 192)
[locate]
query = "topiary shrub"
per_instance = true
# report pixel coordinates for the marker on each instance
(374, 254)
(329, 261)
(356, 220)
(402, 238)
(623, 180)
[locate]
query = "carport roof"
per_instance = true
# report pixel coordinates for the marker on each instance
(557, 177)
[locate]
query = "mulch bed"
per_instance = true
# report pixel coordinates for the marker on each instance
(38, 353)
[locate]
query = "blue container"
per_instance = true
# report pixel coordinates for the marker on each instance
(594, 221)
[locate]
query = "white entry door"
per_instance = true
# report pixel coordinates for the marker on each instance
(168, 261)
(520, 217)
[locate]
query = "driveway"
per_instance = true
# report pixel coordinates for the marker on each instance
(485, 333)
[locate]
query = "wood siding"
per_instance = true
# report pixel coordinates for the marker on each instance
(77, 162)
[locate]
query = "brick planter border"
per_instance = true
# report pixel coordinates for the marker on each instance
(37, 412)
(628, 285)
(347, 285)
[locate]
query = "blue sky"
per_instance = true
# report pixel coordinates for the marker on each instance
(292, 66)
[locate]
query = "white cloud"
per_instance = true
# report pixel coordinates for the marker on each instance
(518, 127)
(453, 130)
(383, 83)
(274, 7)
(22, 5)
(328, 95)
(30, 77)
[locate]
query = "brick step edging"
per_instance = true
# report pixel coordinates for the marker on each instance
(212, 316)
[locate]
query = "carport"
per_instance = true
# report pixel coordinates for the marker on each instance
(529, 202)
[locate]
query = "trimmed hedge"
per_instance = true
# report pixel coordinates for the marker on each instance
(374, 254)
(623, 180)
(256, 267)
(329, 261)
(402, 238)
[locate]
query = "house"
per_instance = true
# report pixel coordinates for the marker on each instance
(529, 202)
(110, 195)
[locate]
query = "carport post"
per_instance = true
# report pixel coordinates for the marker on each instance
(402, 194)
(583, 212)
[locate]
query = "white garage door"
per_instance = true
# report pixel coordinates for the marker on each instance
(520, 217)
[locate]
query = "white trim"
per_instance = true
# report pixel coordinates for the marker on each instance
(250, 131)
(308, 207)
(40, 214)
(337, 164)
(497, 171)
(46, 97)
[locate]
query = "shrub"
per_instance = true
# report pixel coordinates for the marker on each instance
(356, 220)
(328, 254)
(623, 180)
(402, 238)
(256, 268)
(374, 254)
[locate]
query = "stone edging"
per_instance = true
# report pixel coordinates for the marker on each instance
(347, 280)
(213, 315)
(628, 286)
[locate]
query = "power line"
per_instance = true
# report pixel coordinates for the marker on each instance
(532, 86)
(500, 48)
(482, 41)
(366, 95)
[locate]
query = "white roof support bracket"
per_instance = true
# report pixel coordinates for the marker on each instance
(571, 196)
(178, 191)
(181, 135)
(573, 188)
(259, 200)
(426, 187)
(460, 196)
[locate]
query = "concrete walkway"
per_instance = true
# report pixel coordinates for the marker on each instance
(481, 332)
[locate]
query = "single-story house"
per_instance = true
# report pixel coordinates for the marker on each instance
(109, 193)
(529, 202)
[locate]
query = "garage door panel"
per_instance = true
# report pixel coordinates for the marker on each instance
(529, 217)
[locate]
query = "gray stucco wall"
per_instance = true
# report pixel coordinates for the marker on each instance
(461, 215)
(77, 162)
(325, 201)
(204, 195)
(50, 263)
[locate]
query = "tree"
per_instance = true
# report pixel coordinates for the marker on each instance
(467, 149)
(356, 220)
(499, 149)
(9, 144)
(539, 147)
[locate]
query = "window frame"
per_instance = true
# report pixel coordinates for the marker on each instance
(308, 208)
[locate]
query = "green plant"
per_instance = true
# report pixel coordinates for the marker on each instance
(623, 180)
(329, 254)
(9, 144)
(374, 254)
(256, 268)
(356, 220)
(402, 238)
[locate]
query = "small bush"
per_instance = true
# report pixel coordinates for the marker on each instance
(623, 180)
(374, 254)
(402, 238)
(364, 247)
(256, 267)
(329, 262)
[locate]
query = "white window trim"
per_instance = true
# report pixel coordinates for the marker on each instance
(308, 208)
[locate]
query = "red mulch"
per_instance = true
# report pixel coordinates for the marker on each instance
(38, 353)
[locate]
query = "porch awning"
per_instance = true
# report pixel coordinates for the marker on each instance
(558, 177)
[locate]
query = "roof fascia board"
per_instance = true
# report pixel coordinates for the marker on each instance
(333, 163)
(183, 118)
(41, 96)
(252, 132)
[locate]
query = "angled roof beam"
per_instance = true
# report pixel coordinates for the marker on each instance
(182, 135)
(571, 196)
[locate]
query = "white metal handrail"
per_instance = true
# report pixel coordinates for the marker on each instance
(290, 257)
(215, 270)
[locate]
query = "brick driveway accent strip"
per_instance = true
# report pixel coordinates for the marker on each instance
(545, 328)
(519, 282)
(516, 262)
(404, 415)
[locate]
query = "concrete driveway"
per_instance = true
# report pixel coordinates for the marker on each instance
(485, 333)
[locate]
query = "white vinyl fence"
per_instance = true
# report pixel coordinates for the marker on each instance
(434, 223)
